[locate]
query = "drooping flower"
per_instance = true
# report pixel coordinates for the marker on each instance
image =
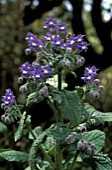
(90, 74)
(8, 99)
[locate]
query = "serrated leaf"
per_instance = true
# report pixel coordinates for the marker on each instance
(103, 162)
(37, 132)
(97, 137)
(100, 117)
(59, 132)
(19, 131)
(70, 106)
(14, 156)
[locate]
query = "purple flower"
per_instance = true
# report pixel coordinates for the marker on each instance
(77, 42)
(8, 99)
(50, 24)
(41, 73)
(90, 74)
(48, 37)
(25, 69)
(57, 42)
(34, 43)
(61, 28)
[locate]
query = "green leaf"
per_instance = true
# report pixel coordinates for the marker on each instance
(37, 131)
(70, 107)
(103, 162)
(19, 131)
(3, 127)
(59, 132)
(100, 117)
(97, 137)
(14, 156)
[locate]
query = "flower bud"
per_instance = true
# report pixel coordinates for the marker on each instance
(71, 138)
(3, 118)
(69, 50)
(23, 89)
(89, 151)
(80, 61)
(27, 51)
(84, 145)
(79, 145)
(65, 63)
(43, 91)
(2, 105)
(97, 81)
(20, 80)
(100, 88)
(94, 94)
(83, 129)
(7, 120)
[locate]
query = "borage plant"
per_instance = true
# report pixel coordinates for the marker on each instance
(71, 138)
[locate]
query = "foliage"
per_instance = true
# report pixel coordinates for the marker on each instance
(68, 138)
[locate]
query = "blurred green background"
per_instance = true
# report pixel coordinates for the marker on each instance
(14, 15)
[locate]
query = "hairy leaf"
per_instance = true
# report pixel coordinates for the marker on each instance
(70, 107)
(37, 131)
(12, 155)
(103, 162)
(100, 117)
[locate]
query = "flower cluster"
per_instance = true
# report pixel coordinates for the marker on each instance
(90, 79)
(57, 35)
(85, 147)
(90, 74)
(7, 103)
(38, 73)
(8, 99)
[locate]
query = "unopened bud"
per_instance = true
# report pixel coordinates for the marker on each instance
(3, 118)
(97, 81)
(27, 51)
(83, 129)
(43, 91)
(89, 151)
(23, 89)
(94, 94)
(69, 50)
(65, 63)
(71, 138)
(80, 61)
(101, 88)
(79, 145)
(7, 120)
(20, 80)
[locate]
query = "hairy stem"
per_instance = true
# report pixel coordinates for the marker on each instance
(41, 148)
